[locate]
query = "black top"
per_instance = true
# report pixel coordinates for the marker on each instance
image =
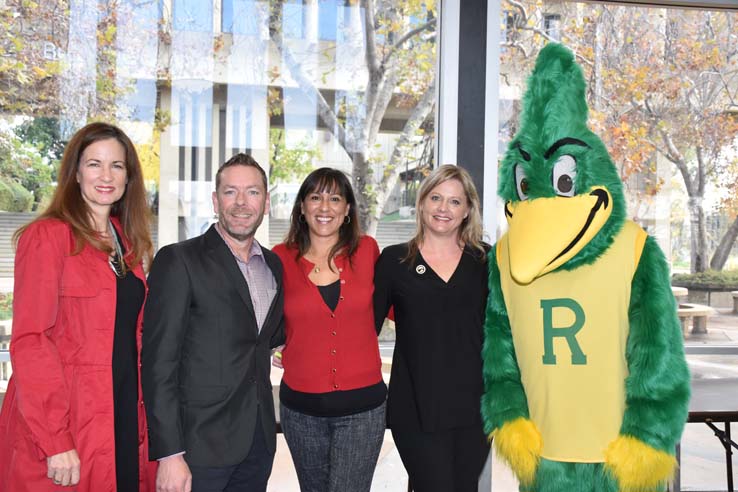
(437, 365)
(334, 403)
(330, 294)
(130, 297)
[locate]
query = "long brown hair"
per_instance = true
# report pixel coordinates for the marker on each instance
(131, 210)
(470, 231)
(327, 180)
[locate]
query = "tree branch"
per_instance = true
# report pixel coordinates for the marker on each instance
(325, 112)
(375, 70)
(518, 46)
(370, 36)
(520, 8)
(521, 23)
(409, 35)
(376, 113)
(675, 156)
(726, 86)
(392, 170)
(722, 252)
(701, 172)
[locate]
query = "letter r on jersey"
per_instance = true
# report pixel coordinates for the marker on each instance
(568, 332)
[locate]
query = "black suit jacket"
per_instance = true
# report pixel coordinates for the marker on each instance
(205, 366)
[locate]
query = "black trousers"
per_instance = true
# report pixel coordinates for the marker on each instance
(444, 461)
(251, 475)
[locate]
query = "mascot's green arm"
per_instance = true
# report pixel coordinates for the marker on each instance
(657, 388)
(504, 398)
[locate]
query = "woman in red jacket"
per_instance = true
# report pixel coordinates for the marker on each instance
(332, 394)
(73, 414)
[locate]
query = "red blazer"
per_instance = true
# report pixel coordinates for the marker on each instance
(60, 395)
(328, 351)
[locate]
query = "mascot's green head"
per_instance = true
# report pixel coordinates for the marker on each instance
(563, 197)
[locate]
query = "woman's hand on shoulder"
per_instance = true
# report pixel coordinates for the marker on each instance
(64, 468)
(277, 356)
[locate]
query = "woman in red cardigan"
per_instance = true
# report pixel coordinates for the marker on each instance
(73, 415)
(332, 396)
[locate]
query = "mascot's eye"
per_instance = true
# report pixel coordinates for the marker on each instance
(564, 176)
(521, 182)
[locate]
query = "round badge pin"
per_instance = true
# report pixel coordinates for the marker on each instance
(420, 269)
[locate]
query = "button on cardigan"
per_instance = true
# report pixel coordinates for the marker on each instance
(330, 350)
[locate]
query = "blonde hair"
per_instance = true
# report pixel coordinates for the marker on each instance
(470, 231)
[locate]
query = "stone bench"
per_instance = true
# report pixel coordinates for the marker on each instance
(697, 313)
(735, 301)
(680, 294)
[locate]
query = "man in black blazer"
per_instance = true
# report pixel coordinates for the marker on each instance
(213, 313)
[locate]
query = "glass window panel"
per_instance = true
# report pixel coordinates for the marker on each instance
(190, 100)
(241, 17)
(138, 102)
(292, 19)
(246, 118)
(192, 113)
(78, 78)
(350, 25)
(661, 91)
(193, 15)
(299, 109)
(328, 19)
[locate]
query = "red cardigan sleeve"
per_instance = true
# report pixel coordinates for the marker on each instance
(43, 396)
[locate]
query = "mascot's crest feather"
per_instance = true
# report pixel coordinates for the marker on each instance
(555, 94)
(553, 126)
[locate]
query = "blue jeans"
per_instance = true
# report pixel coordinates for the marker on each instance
(334, 454)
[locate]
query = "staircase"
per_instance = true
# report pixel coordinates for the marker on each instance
(9, 223)
(387, 233)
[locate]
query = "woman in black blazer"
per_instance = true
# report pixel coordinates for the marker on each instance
(437, 285)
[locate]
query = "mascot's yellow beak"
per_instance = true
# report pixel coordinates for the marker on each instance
(545, 233)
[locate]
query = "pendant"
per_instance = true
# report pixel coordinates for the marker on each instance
(115, 264)
(115, 260)
(316, 269)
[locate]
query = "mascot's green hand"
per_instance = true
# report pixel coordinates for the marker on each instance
(638, 466)
(519, 442)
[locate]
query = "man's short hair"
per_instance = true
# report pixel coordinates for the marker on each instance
(241, 159)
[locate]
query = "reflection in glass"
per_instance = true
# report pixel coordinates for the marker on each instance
(298, 84)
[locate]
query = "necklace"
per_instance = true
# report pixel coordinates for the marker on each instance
(317, 262)
(115, 260)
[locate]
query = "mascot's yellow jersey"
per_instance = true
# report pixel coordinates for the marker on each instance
(570, 330)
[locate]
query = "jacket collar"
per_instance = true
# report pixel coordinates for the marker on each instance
(216, 245)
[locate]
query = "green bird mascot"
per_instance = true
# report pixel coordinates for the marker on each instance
(586, 384)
